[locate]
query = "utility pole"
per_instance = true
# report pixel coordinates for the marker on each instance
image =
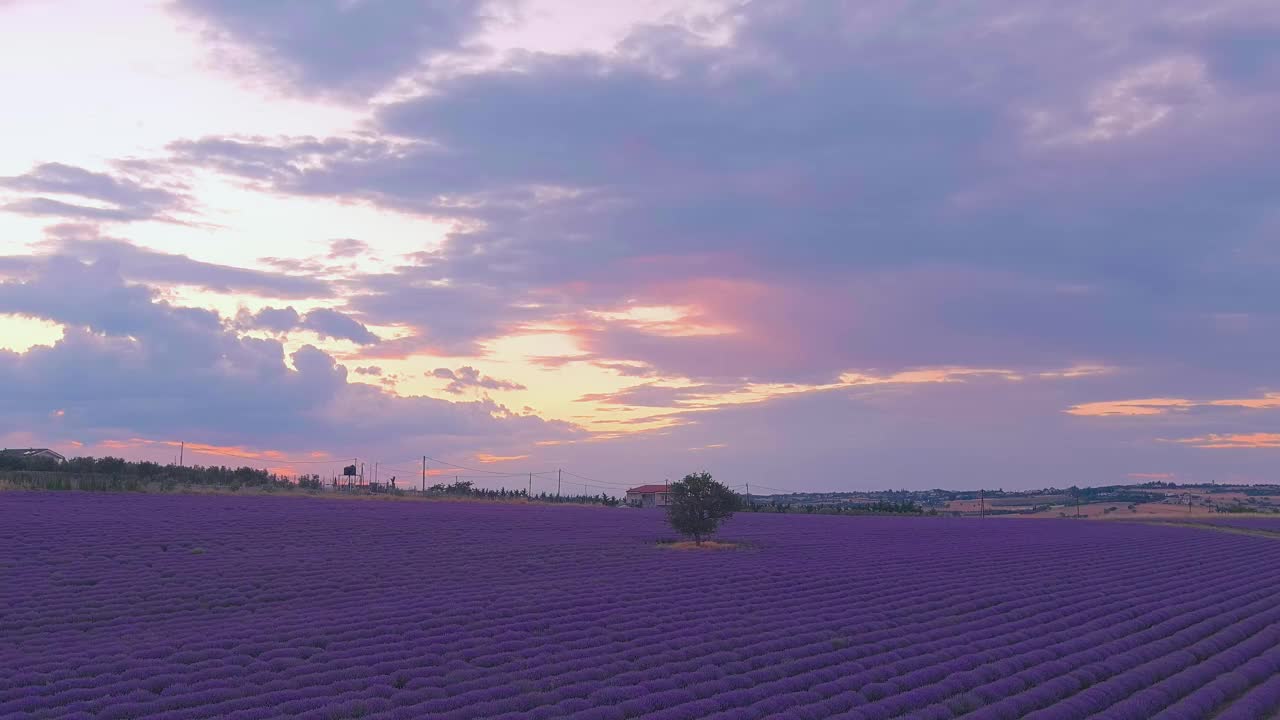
(375, 472)
(361, 473)
(558, 472)
(182, 451)
(530, 493)
(424, 474)
(1076, 493)
(982, 504)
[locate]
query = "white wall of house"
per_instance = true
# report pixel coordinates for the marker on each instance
(649, 499)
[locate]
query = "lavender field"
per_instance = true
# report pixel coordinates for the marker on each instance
(1266, 524)
(148, 606)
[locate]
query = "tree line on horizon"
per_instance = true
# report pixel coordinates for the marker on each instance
(138, 472)
(465, 488)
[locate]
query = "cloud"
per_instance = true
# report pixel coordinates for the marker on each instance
(448, 318)
(1165, 406)
(131, 365)
(654, 395)
(930, 214)
(347, 247)
(122, 199)
(468, 377)
(334, 324)
(984, 431)
(325, 322)
(276, 320)
(338, 47)
(487, 458)
(628, 369)
(152, 266)
(1147, 406)
(1234, 441)
(860, 242)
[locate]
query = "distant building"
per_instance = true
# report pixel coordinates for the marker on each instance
(649, 496)
(32, 454)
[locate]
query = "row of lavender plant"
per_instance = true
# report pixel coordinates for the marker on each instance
(186, 607)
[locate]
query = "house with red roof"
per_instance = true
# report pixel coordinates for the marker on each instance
(649, 496)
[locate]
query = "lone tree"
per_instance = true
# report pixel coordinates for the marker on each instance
(699, 504)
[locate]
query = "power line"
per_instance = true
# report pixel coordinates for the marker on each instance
(267, 459)
(593, 480)
(487, 472)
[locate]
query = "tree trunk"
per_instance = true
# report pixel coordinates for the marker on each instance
(697, 539)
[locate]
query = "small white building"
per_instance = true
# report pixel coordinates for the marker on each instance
(649, 496)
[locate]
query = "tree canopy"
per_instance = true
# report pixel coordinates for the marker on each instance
(699, 504)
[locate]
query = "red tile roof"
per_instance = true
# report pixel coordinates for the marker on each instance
(650, 489)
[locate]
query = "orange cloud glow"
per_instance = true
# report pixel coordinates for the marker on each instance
(1267, 401)
(666, 320)
(1076, 371)
(1233, 441)
(487, 458)
(233, 451)
(1162, 406)
(1147, 406)
(927, 375)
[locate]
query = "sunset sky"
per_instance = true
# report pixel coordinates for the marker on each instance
(805, 245)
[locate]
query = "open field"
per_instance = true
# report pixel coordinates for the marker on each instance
(1245, 522)
(1144, 511)
(166, 606)
(973, 506)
